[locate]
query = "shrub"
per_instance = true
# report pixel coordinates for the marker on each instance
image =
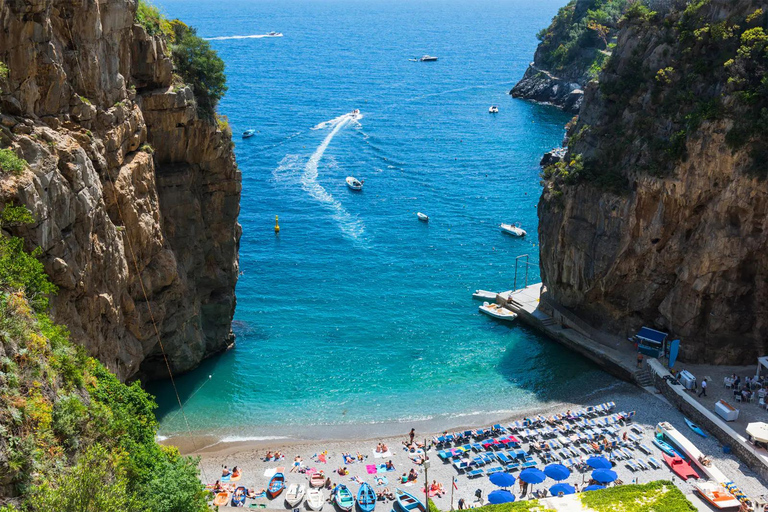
(153, 21)
(200, 67)
(10, 163)
(661, 495)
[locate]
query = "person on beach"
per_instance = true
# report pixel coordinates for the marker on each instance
(378, 448)
(624, 436)
(384, 448)
(268, 456)
(360, 457)
(639, 359)
(703, 388)
(296, 463)
(462, 504)
(412, 434)
(225, 471)
(217, 486)
(404, 479)
(412, 475)
(328, 483)
(235, 472)
(390, 466)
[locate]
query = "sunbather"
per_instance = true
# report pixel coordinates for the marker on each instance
(412, 475)
(404, 478)
(296, 463)
(268, 456)
(226, 471)
(235, 471)
(390, 466)
(378, 448)
(384, 448)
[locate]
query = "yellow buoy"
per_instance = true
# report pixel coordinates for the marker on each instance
(277, 226)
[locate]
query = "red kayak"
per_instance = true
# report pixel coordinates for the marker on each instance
(680, 467)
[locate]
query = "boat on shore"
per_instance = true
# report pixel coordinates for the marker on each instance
(408, 502)
(343, 498)
(294, 494)
(513, 229)
(680, 467)
(316, 480)
(695, 427)
(423, 217)
(276, 485)
(664, 446)
(484, 295)
(497, 311)
(249, 133)
(353, 183)
(315, 499)
(366, 497)
(238, 498)
(716, 495)
(221, 499)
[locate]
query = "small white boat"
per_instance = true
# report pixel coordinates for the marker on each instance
(514, 230)
(354, 184)
(497, 311)
(427, 58)
(275, 34)
(315, 499)
(717, 495)
(249, 133)
(295, 494)
(422, 216)
(493, 110)
(484, 295)
(355, 112)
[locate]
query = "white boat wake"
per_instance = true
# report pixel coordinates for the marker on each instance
(253, 36)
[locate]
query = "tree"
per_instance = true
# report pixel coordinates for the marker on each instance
(200, 67)
(601, 30)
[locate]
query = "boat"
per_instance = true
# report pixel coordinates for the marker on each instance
(249, 133)
(484, 295)
(717, 496)
(366, 497)
(316, 480)
(408, 502)
(514, 230)
(427, 58)
(695, 427)
(295, 494)
(343, 497)
(238, 498)
(276, 486)
(422, 216)
(497, 311)
(664, 446)
(355, 112)
(686, 448)
(680, 467)
(354, 184)
(493, 109)
(275, 34)
(315, 499)
(221, 499)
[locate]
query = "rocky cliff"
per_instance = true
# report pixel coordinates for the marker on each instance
(657, 215)
(134, 193)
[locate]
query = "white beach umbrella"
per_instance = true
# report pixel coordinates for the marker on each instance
(758, 431)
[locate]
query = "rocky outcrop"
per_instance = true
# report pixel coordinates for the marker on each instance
(542, 86)
(658, 214)
(133, 193)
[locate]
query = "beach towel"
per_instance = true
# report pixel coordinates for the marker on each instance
(270, 472)
(409, 484)
(381, 455)
(381, 480)
(371, 468)
(321, 458)
(226, 478)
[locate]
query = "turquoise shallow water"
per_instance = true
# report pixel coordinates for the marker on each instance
(357, 316)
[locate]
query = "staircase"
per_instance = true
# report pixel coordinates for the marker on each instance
(643, 377)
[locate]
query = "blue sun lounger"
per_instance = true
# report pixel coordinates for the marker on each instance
(644, 449)
(497, 469)
(528, 464)
(503, 458)
(654, 463)
(475, 472)
(461, 465)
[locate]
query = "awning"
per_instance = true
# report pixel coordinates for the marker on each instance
(648, 335)
(758, 431)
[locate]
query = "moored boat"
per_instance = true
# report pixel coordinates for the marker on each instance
(513, 229)
(408, 502)
(717, 496)
(427, 58)
(422, 216)
(695, 427)
(276, 485)
(353, 183)
(294, 494)
(484, 295)
(315, 499)
(249, 133)
(316, 480)
(680, 467)
(366, 497)
(221, 499)
(343, 497)
(497, 311)
(238, 498)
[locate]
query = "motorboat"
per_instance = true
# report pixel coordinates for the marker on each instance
(316, 480)
(354, 184)
(716, 495)
(514, 230)
(422, 216)
(355, 112)
(249, 133)
(408, 502)
(484, 295)
(680, 467)
(427, 58)
(294, 494)
(497, 311)
(275, 34)
(276, 485)
(343, 497)
(315, 499)
(493, 109)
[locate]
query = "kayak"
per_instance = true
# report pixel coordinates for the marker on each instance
(344, 498)
(366, 498)
(276, 485)
(680, 467)
(238, 499)
(408, 502)
(221, 499)
(665, 447)
(695, 427)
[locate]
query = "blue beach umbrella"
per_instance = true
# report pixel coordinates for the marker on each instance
(532, 476)
(599, 463)
(500, 496)
(604, 476)
(557, 472)
(593, 488)
(561, 488)
(502, 479)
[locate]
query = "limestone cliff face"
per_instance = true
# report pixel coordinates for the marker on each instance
(133, 192)
(658, 215)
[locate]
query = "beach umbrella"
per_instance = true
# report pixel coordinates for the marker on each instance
(500, 496)
(561, 488)
(502, 479)
(593, 488)
(532, 476)
(758, 431)
(557, 472)
(604, 476)
(599, 463)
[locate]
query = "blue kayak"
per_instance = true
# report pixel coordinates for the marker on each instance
(665, 447)
(695, 427)
(366, 498)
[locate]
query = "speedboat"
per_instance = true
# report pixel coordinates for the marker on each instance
(238, 498)
(718, 496)
(427, 58)
(275, 34)
(680, 467)
(497, 311)
(355, 112)
(408, 502)
(493, 110)
(354, 184)
(294, 495)
(344, 498)
(249, 133)
(315, 499)
(422, 216)
(514, 230)
(276, 485)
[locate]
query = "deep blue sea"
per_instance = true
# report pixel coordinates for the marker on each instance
(357, 319)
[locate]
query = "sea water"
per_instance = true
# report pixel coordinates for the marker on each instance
(357, 319)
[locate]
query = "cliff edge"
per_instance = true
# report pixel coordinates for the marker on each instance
(134, 189)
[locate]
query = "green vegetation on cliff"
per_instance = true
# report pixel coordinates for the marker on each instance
(73, 436)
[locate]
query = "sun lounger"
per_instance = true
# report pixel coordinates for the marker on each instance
(631, 465)
(498, 428)
(478, 461)
(503, 458)
(642, 464)
(444, 455)
(475, 472)
(636, 429)
(654, 463)
(513, 467)
(530, 464)
(461, 465)
(496, 469)
(644, 449)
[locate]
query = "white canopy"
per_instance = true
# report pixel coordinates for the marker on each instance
(761, 361)
(758, 431)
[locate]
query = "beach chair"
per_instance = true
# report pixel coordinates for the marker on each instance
(496, 469)
(515, 466)
(644, 449)
(635, 438)
(636, 429)
(461, 465)
(477, 447)
(654, 463)
(444, 455)
(631, 465)
(530, 464)
(467, 448)
(475, 472)
(642, 464)
(498, 428)
(503, 458)
(478, 461)
(449, 438)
